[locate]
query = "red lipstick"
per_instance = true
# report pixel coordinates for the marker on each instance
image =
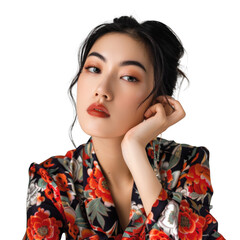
(98, 110)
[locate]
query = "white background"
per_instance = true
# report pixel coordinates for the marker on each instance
(38, 59)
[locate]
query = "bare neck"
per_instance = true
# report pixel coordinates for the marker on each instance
(109, 154)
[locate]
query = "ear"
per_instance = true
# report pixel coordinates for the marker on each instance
(160, 99)
(154, 101)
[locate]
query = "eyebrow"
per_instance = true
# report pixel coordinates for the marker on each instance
(124, 63)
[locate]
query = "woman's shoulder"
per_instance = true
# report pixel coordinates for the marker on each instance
(52, 181)
(70, 163)
(180, 163)
(171, 144)
(174, 151)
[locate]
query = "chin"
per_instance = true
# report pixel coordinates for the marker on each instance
(103, 133)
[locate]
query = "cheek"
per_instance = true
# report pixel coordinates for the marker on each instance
(82, 87)
(130, 105)
(81, 99)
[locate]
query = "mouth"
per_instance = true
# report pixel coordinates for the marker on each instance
(98, 113)
(98, 110)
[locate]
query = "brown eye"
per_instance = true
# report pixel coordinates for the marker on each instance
(130, 78)
(93, 69)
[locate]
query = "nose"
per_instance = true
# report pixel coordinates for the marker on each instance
(104, 95)
(103, 90)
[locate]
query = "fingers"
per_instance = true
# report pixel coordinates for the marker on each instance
(173, 108)
(176, 104)
(178, 113)
(169, 107)
(153, 110)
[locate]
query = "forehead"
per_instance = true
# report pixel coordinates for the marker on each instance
(122, 46)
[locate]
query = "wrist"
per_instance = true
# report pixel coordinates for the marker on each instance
(134, 154)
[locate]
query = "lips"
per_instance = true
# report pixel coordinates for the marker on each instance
(97, 109)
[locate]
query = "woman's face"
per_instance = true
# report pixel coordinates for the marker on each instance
(117, 73)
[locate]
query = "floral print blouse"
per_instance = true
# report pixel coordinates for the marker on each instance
(69, 194)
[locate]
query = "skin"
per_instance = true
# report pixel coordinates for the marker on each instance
(112, 88)
(119, 141)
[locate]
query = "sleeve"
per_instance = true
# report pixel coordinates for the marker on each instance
(48, 193)
(182, 209)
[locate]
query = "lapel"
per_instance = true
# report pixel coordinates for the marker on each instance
(99, 205)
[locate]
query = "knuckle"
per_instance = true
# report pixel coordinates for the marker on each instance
(159, 107)
(183, 114)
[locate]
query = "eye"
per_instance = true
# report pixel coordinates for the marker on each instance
(130, 78)
(93, 69)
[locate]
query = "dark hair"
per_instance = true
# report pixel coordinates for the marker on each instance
(165, 51)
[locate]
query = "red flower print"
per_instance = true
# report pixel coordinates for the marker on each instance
(69, 154)
(169, 176)
(209, 219)
(32, 170)
(61, 181)
(198, 178)
(42, 227)
(118, 237)
(190, 224)
(162, 197)
(136, 236)
(54, 195)
(70, 215)
(95, 237)
(48, 163)
(49, 192)
(40, 199)
(73, 230)
(98, 184)
(45, 175)
(151, 153)
(150, 219)
(86, 233)
(156, 234)
(166, 175)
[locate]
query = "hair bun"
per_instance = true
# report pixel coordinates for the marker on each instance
(126, 21)
(165, 35)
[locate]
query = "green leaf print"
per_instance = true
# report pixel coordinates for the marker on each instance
(216, 235)
(195, 206)
(175, 157)
(86, 194)
(42, 184)
(96, 209)
(80, 220)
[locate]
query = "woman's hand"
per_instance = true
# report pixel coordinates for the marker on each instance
(158, 118)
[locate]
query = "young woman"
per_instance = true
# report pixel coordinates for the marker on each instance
(125, 182)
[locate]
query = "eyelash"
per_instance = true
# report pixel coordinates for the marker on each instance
(98, 71)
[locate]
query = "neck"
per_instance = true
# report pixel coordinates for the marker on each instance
(109, 155)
